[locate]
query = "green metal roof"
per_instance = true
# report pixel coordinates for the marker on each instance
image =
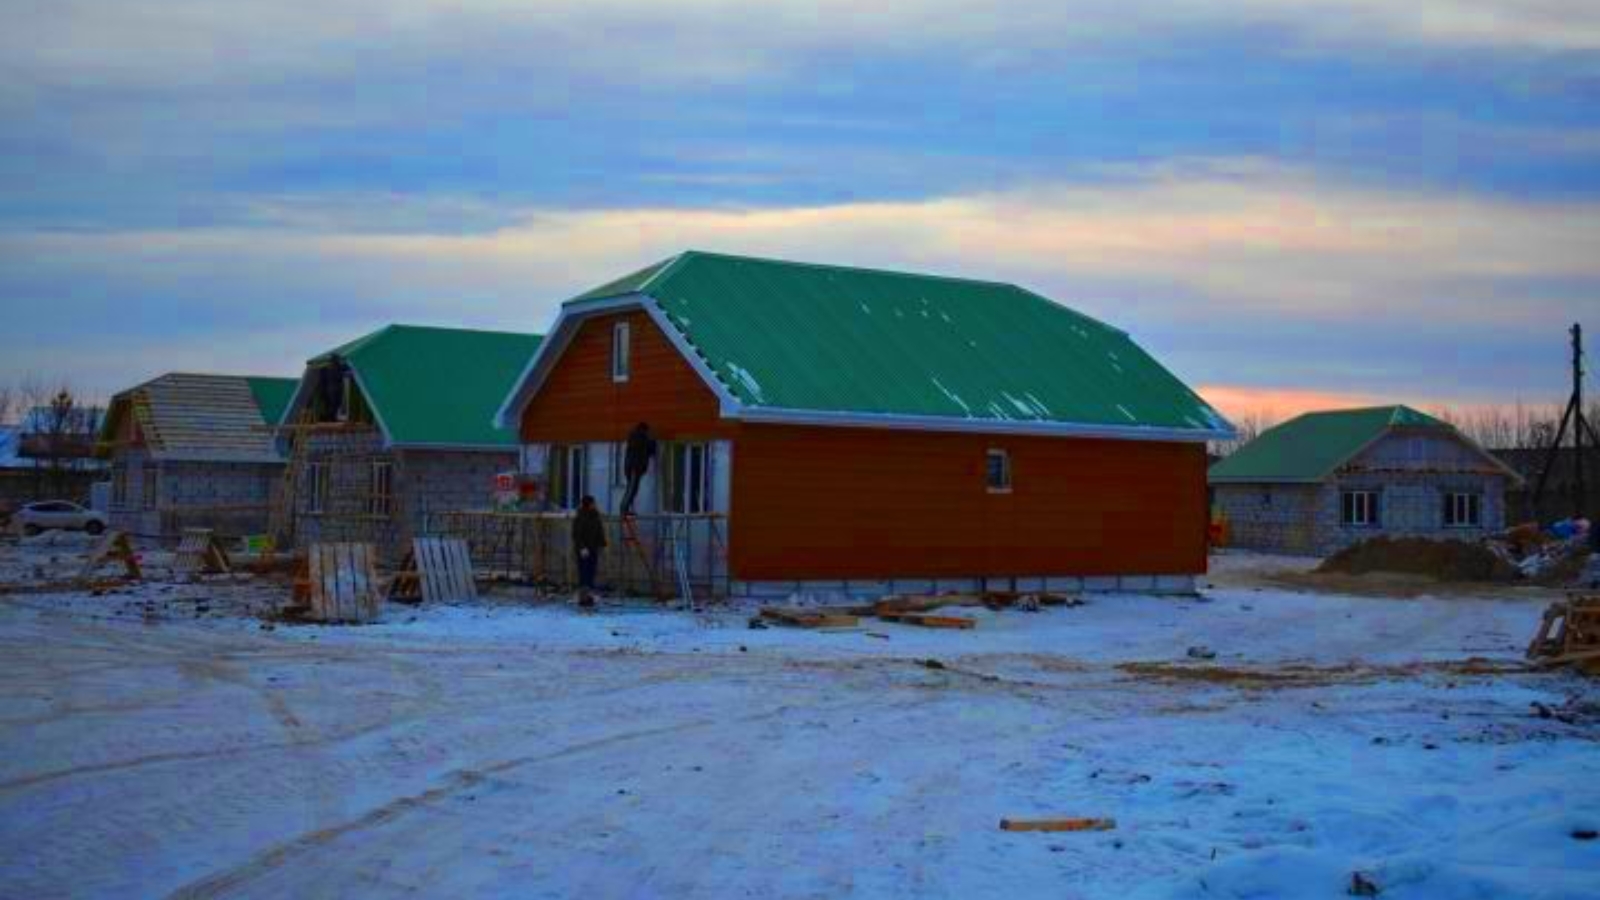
(802, 337)
(1310, 447)
(272, 396)
(438, 386)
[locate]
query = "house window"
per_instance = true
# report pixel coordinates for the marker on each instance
(380, 488)
(688, 478)
(119, 486)
(316, 487)
(149, 486)
(1358, 508)
(619, 459)
(568, 475)
(620, 362)
(998, 472)
(1463, 510)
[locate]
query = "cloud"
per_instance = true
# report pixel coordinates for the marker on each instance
(203, 44)
(1238, 272)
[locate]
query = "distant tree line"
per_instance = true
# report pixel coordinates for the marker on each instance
(1514, 426)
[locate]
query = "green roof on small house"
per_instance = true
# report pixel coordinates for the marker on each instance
(797, 337)
(272, 396)
(438, 386)
(1310, 447)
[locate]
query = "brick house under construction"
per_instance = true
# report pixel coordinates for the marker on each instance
(194, 451)
(394, 426)
(860, 431)
(1325, 480)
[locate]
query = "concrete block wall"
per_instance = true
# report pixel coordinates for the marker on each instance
(345, 516)
(1271, 518)
(434, 481)
(1410, 504)
(132, 515)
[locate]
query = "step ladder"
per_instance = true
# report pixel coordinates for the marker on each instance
(630, 539)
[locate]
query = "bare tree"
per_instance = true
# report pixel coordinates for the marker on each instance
(1248, 426)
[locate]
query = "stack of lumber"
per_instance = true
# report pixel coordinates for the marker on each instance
(821, 617)
(913, 609)
(1569, 633)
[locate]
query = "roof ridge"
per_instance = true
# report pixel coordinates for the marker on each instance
(900, 273)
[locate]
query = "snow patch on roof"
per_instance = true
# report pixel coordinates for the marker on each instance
(746, 381)
(965, 409)
(1028, 411)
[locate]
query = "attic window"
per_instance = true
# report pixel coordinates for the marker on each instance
(998, 471)
(620, 363)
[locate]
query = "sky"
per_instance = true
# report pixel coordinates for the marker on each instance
(1292, 203)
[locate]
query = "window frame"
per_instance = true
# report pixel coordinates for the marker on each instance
(1359, 500)
(1007, 475)
(380, 488)
(1457, 502)
(684, 491)
(621, 351)
(569, 475)
(119, 486)
(317, 477)
(149, 486)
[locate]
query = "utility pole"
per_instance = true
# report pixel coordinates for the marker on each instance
(1582, 431)
(1579, 495)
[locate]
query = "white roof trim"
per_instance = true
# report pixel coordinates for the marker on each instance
(573, 314)
(549, 350)
(458, 448)
(978, 426)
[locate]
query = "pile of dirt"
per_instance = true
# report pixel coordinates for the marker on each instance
(1440, 560)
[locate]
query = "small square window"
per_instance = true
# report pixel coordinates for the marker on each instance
(1463, 510)
(621, 365)
(998, 469)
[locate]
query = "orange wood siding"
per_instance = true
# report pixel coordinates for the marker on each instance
(580, 402)
(836, 503)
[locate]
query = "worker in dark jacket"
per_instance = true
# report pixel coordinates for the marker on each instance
(588, 539)
(636, 462)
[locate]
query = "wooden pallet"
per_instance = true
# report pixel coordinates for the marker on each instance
(341, 584)
(116, 546)
(435, 570)
(1569, 632)
(200, 552)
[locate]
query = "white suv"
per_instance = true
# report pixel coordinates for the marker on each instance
(36, 517)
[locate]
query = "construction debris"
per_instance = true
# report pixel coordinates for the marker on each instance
(1569, 633)
(808, 618)
(1057, 824)
(928, 620)
(116, 546)
(1556, 556)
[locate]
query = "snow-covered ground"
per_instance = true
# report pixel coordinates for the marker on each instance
(511, 750)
